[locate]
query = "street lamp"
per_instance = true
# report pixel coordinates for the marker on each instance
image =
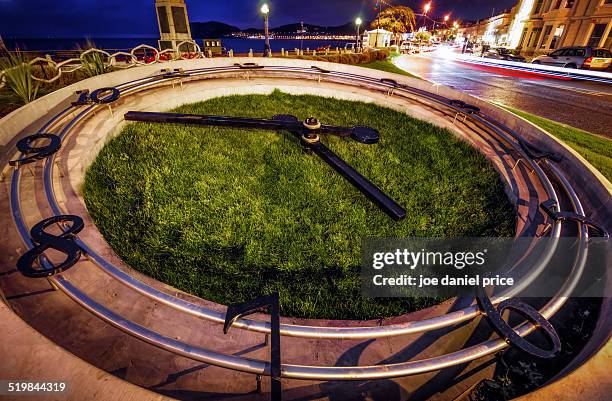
(358, 22)
(426, 9)
(455, 25)
(446, 18)
(265, 10)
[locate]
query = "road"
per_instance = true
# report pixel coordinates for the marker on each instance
(581, 104)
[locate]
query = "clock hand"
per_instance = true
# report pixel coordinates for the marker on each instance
(360, 134)
(375, 194)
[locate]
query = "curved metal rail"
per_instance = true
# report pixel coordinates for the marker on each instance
(299, 371)
(304, 331)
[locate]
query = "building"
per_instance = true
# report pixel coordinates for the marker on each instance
(539, 26)
(494, 31)
(378, 38)
(173, 24)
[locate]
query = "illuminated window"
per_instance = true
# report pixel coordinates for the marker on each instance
(533, 38)
(597, 35)
(547, 32)
(538, 7)
(523, 35)
(555, 39)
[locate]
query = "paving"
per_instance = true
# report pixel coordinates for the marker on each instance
(582, 104)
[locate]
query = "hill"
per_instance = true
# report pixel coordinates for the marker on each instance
(215, 29)
(211, 29)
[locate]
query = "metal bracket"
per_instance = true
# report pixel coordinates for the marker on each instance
(176, 73)
(236, 311)
(521, 160)
(548, 206)
(391, 82)
(465, 107)
(537, 155)
(249, 66)
(320, 70)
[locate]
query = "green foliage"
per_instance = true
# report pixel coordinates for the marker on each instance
(387, 66)
(230, 214)
(350, 58)
(597, 150)
(423, 36)
(18, 76)
(398, 19)
(94, 63)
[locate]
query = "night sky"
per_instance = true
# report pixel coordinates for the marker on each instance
(136, 18)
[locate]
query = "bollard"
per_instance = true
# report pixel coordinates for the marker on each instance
(210, 54)
(314, 53)
(250, 52)
(297, 51)
(282, 52)
(301, 52)
(231, 53)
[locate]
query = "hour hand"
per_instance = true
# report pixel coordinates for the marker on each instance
(360, 134)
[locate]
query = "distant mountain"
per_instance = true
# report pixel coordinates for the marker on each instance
(346, 29)
(211, 29)
(215, 29)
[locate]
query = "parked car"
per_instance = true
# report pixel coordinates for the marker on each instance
(501, 53)
(577, 57)
(407, 47)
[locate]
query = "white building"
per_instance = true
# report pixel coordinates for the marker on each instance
(378, 38)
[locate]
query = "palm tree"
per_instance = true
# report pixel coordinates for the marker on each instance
(398, 19)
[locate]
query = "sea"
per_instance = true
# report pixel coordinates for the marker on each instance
(123, 44)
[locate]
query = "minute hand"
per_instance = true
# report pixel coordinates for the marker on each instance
(375, 194)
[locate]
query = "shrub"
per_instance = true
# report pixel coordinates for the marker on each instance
(18, 76)
(93, 63)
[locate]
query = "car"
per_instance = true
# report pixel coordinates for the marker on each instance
(408, 47)
(585, 57)
(501, 53)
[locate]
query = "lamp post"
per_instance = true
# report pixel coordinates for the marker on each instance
(446, 18)
(426, 9)
(265, 10)
(358, 22)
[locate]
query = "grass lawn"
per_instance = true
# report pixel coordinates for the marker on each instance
(596, 149)
(388, 66)
(229, 214)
